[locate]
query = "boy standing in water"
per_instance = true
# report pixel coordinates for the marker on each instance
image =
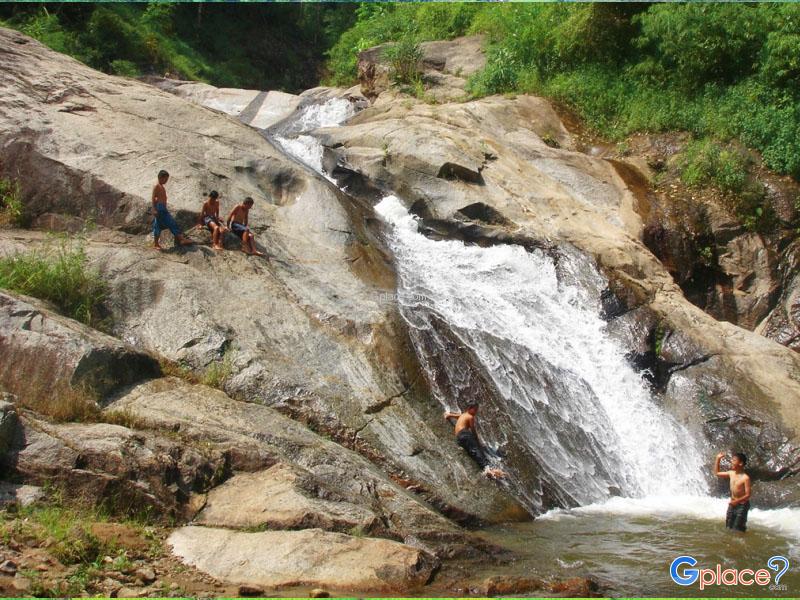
(739, 504)
(467, 438)
(209, 216)
(237, 221)
(162, 219)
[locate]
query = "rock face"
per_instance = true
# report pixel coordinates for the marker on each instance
(278, 559)
(783, 323)
(310, 332)
(9, 422)
(41, 351)
(326, 419)
(252, 107)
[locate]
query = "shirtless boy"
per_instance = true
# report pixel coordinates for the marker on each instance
(162, 219)
(237, 221)
(467, 438)
(739, 504)
(209, 216)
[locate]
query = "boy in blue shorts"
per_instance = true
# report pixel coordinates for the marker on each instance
(162, 219)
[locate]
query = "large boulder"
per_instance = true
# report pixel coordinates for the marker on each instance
(445, 66)
(43, 353)
(131, 471)
(276, 559)
(283, 497)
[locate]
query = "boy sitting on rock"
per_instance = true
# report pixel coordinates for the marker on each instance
(237, 221)
(209, 217)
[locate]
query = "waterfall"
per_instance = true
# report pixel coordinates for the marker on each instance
(569, 402)
(522, 334)
(295, 141)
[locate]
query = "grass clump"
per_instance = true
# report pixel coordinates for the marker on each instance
(60, 275)
(65, 531)
(218, 372)
(11, 212)
(705, 162)
(66, 404)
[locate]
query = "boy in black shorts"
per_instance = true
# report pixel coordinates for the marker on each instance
(237, 221)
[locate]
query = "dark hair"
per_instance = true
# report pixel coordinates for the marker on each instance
(472, 405)
(213, 194)
(249, 200)
(163, 173)
(741, 456)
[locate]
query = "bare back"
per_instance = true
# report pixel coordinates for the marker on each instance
(465, 421)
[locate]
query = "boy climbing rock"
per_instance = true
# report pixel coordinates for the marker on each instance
(467, 437)
(739, 504)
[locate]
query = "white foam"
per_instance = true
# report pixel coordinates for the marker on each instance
(785, 521)
(579, 408)
(307, 149)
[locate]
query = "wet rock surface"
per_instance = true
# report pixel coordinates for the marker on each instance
(531, 190)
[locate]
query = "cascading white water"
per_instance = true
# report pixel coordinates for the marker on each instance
(306, 148)
(579, 409)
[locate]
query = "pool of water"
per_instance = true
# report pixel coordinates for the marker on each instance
(628, 545)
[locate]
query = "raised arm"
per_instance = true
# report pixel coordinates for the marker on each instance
(451, 415)
(717, 472)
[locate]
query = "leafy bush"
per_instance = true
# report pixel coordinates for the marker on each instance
(257, 46)
(705, 162)
(698, 43)
(125, 68)
(60, 275)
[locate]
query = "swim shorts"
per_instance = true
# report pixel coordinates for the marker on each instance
(737, 517)
(207, 220)
(239, 229)
(467, 440)
(164, 220)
